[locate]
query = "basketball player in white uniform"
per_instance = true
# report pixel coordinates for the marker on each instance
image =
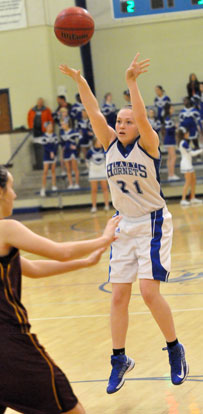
(145, 231)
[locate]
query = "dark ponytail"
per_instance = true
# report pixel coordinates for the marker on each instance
(181, 134)
(3, 176)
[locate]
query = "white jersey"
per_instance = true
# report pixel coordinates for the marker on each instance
(134, 181)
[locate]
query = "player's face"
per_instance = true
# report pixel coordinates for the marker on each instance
(126, 127)
(7, 196)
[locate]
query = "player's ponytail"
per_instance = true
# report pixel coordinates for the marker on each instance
(3, 176)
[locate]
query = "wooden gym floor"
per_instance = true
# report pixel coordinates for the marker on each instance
(70, 314)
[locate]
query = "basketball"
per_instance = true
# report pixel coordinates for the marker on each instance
(74, 26)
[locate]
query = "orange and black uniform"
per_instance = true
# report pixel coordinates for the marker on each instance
(30, 382)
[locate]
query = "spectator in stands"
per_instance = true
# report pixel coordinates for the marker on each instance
(37, 117)
(160, 101)
(186, 167)
(193, 86)
(126, 96)
(170, 141)
(85, 130)
(189, 118)
(76, 110)
(62, 103)
(69, 141)
(50, 143)
(97, 174)
(109, 110)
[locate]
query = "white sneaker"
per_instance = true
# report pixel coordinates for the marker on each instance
(76, 187)
(93, 209)
(70, 187)
(106, 208)
(173, 178)
(42, 192)
(184, 203)
(54, 188)
(195, 201)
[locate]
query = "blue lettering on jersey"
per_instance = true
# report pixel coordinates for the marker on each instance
(126, 168)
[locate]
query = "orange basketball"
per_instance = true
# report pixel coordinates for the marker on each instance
(74, 26)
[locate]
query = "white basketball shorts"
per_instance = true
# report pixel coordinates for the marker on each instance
(143, 248)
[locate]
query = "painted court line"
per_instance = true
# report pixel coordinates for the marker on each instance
(104, 315)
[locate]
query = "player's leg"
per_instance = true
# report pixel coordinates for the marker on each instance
(161, 312)
(121, 293)
(154, 263)
(150, 291)
(94, 185)
(104, 187)
(121, 364)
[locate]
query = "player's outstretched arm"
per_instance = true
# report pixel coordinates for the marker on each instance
(102, 130)
(45, 268)
(149, 139)
(14, 233)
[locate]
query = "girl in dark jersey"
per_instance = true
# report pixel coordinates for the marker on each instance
(30, 382)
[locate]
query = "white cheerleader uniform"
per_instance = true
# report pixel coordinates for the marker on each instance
(97, 164)
(145, 230)
(186, 156)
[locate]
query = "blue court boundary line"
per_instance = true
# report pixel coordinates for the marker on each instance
(191, 378)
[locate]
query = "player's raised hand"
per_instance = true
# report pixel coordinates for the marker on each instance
(109, 231)
(136, 68)
(73, 73)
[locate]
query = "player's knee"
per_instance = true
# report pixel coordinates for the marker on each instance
(119, 298)
(147, 295)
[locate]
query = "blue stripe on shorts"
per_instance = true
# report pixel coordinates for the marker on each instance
(158, 271)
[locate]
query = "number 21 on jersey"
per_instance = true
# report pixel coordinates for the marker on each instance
(124, 189)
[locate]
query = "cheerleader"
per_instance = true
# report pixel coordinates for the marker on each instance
(160, 101)
(170, 141)
(86, 133)
(187, 168)
(69, 141)
(50, 142)
(97, 173)
(109, 110)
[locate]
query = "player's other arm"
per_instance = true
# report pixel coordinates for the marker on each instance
(16, 234)
(102, 130)
(149, 138)
(45, 268)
